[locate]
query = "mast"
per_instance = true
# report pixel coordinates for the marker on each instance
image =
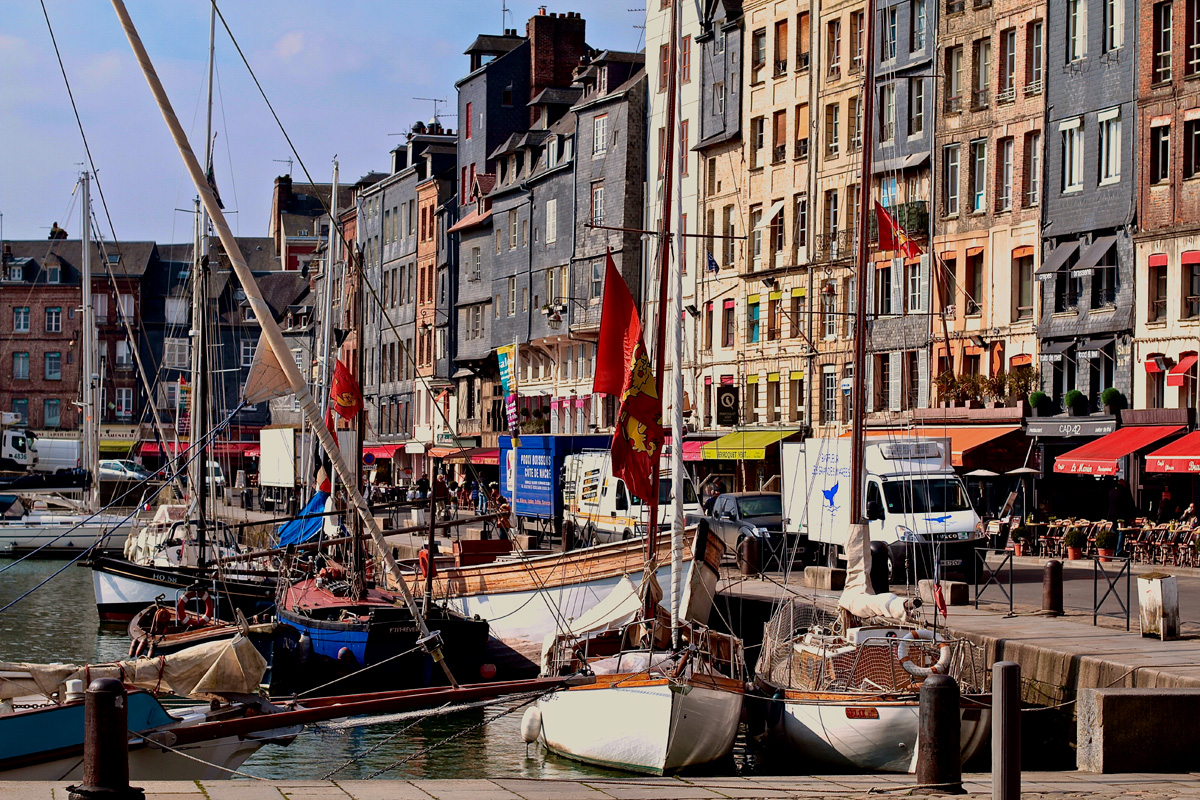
(674, 312)
(271, 332)
(327, 312)
(664, 258)
(357, 562)
(89, 381)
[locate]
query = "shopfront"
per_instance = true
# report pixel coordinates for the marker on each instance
(746, 461)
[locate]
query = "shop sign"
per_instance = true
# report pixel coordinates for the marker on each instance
(1069, 427)
(727, 405)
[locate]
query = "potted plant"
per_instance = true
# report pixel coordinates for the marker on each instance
(947, 388)
(1021, 382)
(970, 389)
(1075, 540)
(1106, 544)
(1076, 403)
(1018, 536)
(995, 388)
(1040, 403)
(1112, 399)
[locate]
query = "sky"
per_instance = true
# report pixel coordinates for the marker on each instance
(341, 75)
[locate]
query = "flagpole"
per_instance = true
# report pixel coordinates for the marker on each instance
(270, 328)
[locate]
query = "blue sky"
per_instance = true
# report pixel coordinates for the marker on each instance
(340, 75)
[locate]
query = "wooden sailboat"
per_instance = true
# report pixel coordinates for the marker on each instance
(669, 691)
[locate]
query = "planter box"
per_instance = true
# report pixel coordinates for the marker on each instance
(1074, 553)
(1105, 555)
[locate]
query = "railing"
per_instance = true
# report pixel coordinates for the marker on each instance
(856, 65)
(801, 149)
(955, 6)
(781, 68)
(952, 105)
(1111, 580)
(833, 246)
(1033, 88)
(778, 153)
(833, 150)
(802, 61)
(912, 216)
(1066, 301)
(1105, 298)
(979, 99)
(1006, 96)
(1191, 305)
(972, 308)
(855, 143)
(993, 574)
(1158, 310)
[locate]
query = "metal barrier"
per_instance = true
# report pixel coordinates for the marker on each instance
(981, 561)
(1111, 580)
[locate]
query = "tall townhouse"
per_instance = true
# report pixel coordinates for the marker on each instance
(388, 229)
(686, 176)
(1087, 268)
(837, 61)
(436, 195)
(989, 149)
(899, 294)
(1167, 246)
(772, 335)
(721, 210)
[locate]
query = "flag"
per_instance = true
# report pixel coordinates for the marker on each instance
(623, 368)
(712, 263)
(939, 599)
(346, 396)
(892, 235)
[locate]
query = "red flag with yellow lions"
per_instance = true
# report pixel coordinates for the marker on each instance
(623, 368)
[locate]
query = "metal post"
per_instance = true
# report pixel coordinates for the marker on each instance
(1052, 588)
(1006, 730)
(105, 744)
(939, 745)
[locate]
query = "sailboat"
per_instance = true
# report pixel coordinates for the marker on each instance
(668, 693)
(29, 525)
(845, 689)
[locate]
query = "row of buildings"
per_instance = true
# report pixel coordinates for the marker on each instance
(1043, 157)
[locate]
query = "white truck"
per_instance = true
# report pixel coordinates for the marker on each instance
(277, 467)
(18, 446)
(601, 507)
(914, 502)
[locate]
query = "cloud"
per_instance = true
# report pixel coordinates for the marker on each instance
(289, 46)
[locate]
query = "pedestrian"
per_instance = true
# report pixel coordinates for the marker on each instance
(1121, 509)
(1189, 514)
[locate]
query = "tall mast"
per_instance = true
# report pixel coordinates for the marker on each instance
(674, 313)
(357, 565)
(271, 332)
(858, 520)
(327, 311)
(89, 380)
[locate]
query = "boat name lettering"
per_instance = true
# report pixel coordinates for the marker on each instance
(403, 629)
(853, 712)
(951, 562)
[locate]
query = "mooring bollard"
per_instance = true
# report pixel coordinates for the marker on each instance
(1006, 730)
(939, 742)
(105, 744)
(1052, 588)
(568, 536)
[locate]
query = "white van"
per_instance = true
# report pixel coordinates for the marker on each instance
(602, 508)
(57, 454)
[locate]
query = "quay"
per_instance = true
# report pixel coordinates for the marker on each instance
(1047, 785)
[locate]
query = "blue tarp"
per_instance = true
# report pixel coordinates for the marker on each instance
(304, 527)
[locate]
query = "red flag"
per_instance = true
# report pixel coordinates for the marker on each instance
(346, 396)
(892, 236)
(939, 599)
(623, 367)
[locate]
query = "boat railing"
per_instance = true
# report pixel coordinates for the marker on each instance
(718, 652)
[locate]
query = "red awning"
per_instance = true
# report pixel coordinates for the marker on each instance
(693, 449)
(1177, 373)
(1152, 365)
(152, 448)
(1181, 455)
(1158, 260)
(381, 450)
(1100, 457)
(233, 448)
(1022, 360)
(470, 221)
(253, 452)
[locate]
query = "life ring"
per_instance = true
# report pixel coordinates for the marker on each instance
(428, 565)
(181, 611)
(943, 663)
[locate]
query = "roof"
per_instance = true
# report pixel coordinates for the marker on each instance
(627, 56)
(281, 289)
(486, 181)
(508, 145)
(492, 43)
(556, 95)
(470, 221)
(136, 257)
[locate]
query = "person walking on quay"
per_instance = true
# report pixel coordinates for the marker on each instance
(1121, 509)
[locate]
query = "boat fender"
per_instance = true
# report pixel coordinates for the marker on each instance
(531, 724)
(427, 564)
(940, 668)
(305, 647)
(181, 606)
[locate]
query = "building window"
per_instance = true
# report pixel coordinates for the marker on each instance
(887, 113)
(950, 178)
(829, 390)
(796, 317)
(1076, 29)
(954, 81)
(756, 237)
(752, 323)
(1161, 44)
(708, 325)
(685, 59)
(1191, 148)
(974, 285)
(729, 227)
(916, 293)
(1160, 154)
(856, 123)
(1110, 145)
(248, 348)
(512, 296)
(683, 147)
(833, 46)
(51, 413)
(774, 321)
(890, 33)
(124, 402)
(1192, 37)
(1008, 66)
(21, 319)
(883, 381)
(598, 203)
(599, 135)
(979, 176)
(857, 34)
(719, 97)
(883, 289)
(176, 353)
(800, 221)
(916, 106)
(781, 48)
(728, 325)
(832, 130)
(1033, 71)
(983, 69)
(758, 138)
(54, 366)
(1191, 285)
(758, 54)
(53, 273)
(829, 318)
(20, 366)
(54, 319)
(20, 407)
(1072, 154)
(597, 279)
(1033, 172)
(916, 37)
(664, 66)
(1023, 280)
(1114, 24)
(1157, 309)
(1104, 280)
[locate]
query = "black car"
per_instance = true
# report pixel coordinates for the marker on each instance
(737, 515)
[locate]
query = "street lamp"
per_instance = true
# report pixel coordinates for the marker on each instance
(555, 309)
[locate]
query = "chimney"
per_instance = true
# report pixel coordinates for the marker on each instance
(7, 257)
(283, 191)
(556, 44)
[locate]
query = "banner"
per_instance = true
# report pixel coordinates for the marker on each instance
(507, 356)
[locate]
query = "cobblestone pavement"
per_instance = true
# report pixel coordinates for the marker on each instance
(1047, 785)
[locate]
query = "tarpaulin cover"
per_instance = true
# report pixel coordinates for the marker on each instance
(304, 527)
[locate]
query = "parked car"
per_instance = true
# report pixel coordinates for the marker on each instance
(122, 470)
(737, 515)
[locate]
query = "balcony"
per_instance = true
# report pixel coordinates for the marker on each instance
(912, 216)
(952, 105)
(1104, 297)
(779, 154)
(1157, 310)
(1033, 88)
(979, 99)
(802, 61)
(801, 149)
(1006, 96)
(856, 65)
(834, 246)
(781, 68)
(1191, 306)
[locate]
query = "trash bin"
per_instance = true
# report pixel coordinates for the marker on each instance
(1158, 605)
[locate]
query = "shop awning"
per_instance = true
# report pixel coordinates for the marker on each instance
(1056, 259)
(744, 446)
(442, 452)
(1175, 375)
(476, 455)
(1053, 351)
(693, 449)
(1181, 455)
(381, 450)
(1101, 457)
(253, 452)
(115, 445)
(963, 438)
(417, 448)
(1095, 251)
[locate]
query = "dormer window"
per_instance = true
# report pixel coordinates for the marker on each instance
(602, 80)
(53, 273)
(114, 258)
(15, 272)
(248, 314)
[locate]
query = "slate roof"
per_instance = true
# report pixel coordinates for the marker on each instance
(555, 95)
(136, 257)
(491, 43)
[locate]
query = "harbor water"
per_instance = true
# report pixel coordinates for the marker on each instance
(58, 623)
